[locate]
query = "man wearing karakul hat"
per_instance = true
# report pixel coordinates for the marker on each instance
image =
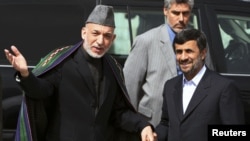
(77, 92)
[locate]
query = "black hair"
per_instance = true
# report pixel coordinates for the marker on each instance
(191, 34)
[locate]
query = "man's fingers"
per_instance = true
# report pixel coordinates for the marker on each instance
(8, 55)
(15, 50)
(155, 137)
(151, 137)
(6, 51)
(11, 55)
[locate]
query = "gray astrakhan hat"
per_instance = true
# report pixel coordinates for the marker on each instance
(103, 15)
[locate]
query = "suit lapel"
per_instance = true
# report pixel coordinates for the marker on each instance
(199, 94)
(167, 49)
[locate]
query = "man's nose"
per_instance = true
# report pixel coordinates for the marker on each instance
(183, 56)
(181, 17)
(100, 40)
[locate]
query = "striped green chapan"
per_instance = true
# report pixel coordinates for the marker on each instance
(23, 130)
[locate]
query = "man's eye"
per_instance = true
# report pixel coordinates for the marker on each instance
(178, 52)
(189, 51)
(108, 36)
(176, 13)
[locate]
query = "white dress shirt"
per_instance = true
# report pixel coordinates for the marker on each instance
(189, 88)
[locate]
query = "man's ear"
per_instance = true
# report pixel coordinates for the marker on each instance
(204, 53)
(83, 32)
(165, 11)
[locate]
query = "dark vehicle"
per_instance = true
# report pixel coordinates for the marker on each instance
(38, 26)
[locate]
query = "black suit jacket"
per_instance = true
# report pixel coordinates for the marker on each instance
(68, 93)
(215, 101)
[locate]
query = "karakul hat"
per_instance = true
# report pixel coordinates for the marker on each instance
(103, 15)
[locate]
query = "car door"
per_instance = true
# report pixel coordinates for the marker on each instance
(227, 26)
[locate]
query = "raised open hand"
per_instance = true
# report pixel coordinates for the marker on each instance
(17, 61)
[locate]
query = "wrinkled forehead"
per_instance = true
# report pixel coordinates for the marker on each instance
(169, 3)
(180, 7)
(93, 26)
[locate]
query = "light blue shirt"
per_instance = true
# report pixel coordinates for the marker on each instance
(190, 86)
(171, 33)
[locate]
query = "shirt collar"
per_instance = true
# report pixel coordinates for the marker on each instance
(197, 77)
(171, 33)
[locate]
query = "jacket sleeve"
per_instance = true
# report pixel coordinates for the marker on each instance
(126, 118)
(135, 70)
(40, 88)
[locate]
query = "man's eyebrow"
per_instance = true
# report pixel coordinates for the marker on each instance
(180, 11)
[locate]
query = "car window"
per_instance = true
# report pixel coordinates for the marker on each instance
(129, 25)
(235, 35)
(122, 43)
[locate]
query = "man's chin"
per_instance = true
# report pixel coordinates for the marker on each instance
(96, 55)
(177, 30)
(185, 69)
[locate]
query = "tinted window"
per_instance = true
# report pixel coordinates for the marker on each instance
(235, 35)
(129, 25)
(121, 45)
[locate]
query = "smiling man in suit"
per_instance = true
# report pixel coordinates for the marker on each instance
(198, 98)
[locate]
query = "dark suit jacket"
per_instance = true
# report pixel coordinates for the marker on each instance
(215, 101)
(68, 92)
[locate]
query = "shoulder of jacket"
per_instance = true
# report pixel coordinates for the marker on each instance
(150, 34)
(49, 59)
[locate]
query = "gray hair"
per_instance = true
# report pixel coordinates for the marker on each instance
(167, 3)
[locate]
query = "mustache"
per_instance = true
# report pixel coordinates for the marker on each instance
(180, 25)
(97, 46)
(185, 61)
